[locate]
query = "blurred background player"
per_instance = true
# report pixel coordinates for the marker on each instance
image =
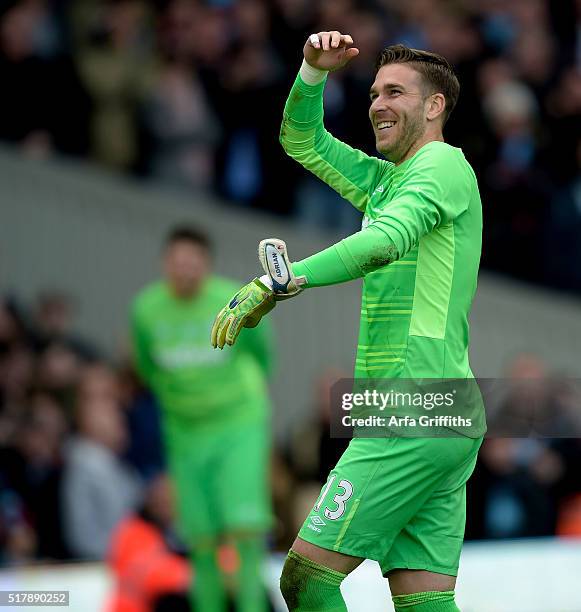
(215, 419)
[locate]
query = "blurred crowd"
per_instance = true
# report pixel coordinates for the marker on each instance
(190, 94)
(79, 441)
(82, 463)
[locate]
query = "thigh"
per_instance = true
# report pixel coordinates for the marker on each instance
(432, 539)
(376, 489)
(190, 476)
(241, 478)
(190, 456)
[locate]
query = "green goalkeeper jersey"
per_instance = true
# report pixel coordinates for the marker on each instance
(190, 379)
(418, 249)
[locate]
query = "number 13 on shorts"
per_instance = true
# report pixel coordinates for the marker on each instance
(334, 509)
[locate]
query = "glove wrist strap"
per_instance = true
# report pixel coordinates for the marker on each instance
(279, 275)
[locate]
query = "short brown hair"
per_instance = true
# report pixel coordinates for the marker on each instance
(436, 71)
(188, 233)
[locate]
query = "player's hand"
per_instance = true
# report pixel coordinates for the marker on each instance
(245, 309)
(329, 50)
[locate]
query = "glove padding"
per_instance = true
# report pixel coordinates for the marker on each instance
(245, 309)
(275, 262)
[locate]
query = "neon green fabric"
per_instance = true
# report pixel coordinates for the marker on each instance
(189, 378)
(207, 591)
(245, 309)
(309, 587)
(250, 590)
(222, 471)
(399, 501)
(429, 601)
(303, 136)
(418, 250)
(328, 267)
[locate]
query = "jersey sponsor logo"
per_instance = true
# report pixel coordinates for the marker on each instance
(316, 522)
(366, 221)
(178, 357)
(379, 189)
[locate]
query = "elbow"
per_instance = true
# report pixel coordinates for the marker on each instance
(286, 144)
(298, 143)
(283, 142)
(291, 149)
(282, 136)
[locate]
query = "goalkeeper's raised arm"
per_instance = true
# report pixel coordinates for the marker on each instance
(352, 173)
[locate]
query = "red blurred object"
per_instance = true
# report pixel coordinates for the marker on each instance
(143, 567)
(569, 522)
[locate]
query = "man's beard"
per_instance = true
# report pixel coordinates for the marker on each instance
(411, 130)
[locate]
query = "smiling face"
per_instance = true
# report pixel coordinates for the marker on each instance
(401, 112)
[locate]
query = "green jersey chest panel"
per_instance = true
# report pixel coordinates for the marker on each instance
(408, 297)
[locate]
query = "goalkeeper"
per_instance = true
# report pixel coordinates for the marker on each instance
(215, 419)
(399, 501)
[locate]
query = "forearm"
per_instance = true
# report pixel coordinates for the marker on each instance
(350, 172)
(303, 112)
(352, 258)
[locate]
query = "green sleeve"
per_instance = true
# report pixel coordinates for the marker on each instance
(140, 351)
(434, 190)
(303, 136)
(353, 257)
(259, 341)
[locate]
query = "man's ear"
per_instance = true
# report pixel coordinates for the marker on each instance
(436, 106)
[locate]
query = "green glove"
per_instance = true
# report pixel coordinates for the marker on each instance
(245, 309)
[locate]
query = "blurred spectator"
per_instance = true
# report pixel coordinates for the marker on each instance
(147, 561)
(562, 155)
(13, 330)
(313, 452)
(44, 106)
(32, 468)
(58, 370)
(43, 376)
(98, 488)
(512, 490)
(190, 94)
(54, 314)
(145, 451)
(516, 188)
(16, 368)
(569, 521)
(180, 130)
(291, 22)
(520, 482)
(16, 377)
(17, 537)
(115, 62)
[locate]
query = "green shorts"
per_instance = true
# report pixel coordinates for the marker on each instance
(398, 501)
(221, 477)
